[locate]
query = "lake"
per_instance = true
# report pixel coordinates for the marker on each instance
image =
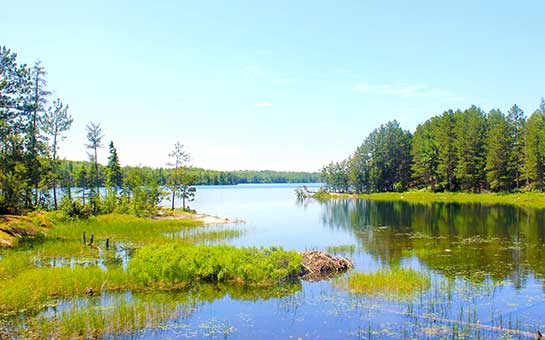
(485, 264)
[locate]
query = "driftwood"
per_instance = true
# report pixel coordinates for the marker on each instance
(319, 265)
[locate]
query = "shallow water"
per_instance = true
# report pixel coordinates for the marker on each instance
(485, 264)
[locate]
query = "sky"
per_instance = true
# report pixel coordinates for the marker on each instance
(281, 85)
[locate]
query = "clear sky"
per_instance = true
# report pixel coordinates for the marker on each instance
(282, 85)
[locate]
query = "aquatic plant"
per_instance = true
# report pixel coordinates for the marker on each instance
(394, 282)
(92, 321)
(126, 228)
(175, 264)
(33, 288)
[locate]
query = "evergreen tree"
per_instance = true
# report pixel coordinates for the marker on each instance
(445, 136)
(36, 110)
(515, 154)
(56, 121)
(425, 153)
(94, 138)
(498, 147)
(535, 149)
(470, 130)
(114, 175)
(180, 164)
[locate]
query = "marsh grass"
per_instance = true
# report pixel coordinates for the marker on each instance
(204, 235)
(91, 322)
(391, 283)
(173, 264)
(12, 263)
(122, 228)
(528, 199)
(33, 288)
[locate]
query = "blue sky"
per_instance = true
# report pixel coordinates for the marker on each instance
(273, 85)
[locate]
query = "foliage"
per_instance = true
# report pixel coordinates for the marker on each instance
(175, 264)
(381, 163)
(465, 150)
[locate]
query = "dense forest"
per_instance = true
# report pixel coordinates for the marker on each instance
(467, 150)
(32, 125)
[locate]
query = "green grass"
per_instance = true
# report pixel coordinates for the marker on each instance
(529, 199)
(33, 288)
(395, 282)
(175, 264)
(122, 228)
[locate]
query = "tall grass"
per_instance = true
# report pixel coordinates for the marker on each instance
(125, 228)
(33, 288)
(395, 282)
(92, 322)
(174, 264)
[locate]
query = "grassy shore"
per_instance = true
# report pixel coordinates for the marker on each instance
(529, 199)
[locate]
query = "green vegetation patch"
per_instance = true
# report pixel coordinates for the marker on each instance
(174, 264)
(92, 322)
(125, 228)
(33, 288)
(394, 282)
(527, 199)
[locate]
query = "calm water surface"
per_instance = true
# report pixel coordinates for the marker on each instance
(486, 264)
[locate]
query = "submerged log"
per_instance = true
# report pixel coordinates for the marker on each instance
(319, 265)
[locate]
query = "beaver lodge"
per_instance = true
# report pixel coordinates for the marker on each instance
(318, 265)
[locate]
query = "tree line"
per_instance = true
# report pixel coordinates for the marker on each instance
(73, 171)
(469, 150)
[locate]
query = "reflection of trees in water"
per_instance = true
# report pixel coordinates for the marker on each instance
(472, 240)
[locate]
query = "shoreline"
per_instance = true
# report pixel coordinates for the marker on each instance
(206, 219)
(527, 200)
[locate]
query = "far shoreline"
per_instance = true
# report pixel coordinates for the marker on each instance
(528, 199)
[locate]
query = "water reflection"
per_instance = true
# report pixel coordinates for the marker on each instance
(474, 241)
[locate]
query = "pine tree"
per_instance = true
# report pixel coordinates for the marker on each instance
(425, 153)
(114, 175)
(515, 155)
(56, 121)
(447, 157)
(498, 144)
(535, 149)
(94, 137)
(470, 130)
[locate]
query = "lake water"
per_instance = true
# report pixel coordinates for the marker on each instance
(485, 266)
(485, 263)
